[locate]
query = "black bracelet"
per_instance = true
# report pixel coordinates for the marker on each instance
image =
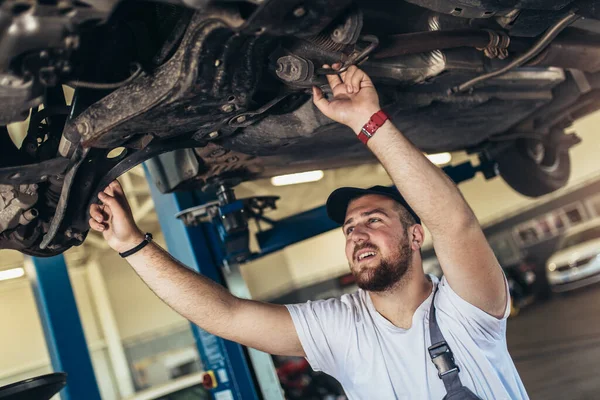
(147, 239)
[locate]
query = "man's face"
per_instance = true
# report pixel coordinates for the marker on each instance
(377, 246)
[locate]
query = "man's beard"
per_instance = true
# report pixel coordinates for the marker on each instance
(388, 273)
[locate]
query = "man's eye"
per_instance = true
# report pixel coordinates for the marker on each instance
(374, 220)
(349, 230)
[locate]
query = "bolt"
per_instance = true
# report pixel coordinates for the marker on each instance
(217, 63)
(337, 33)
(83, 128)
(69, 233)
(228, 108)
(44, 177)
(299, 12)
(213, 135)
(240, 119)
(279, 67)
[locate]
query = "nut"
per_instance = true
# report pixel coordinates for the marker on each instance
(299, 12)
(83, 128)
(228, 108)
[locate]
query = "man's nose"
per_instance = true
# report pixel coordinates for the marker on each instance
(359, 234)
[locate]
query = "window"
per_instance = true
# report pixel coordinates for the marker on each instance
(558, 221)
(575, 213)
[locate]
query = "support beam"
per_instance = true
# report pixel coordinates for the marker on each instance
(294, 229)
(197, 247)
(65, 339)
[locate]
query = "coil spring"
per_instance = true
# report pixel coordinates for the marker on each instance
(323, 40)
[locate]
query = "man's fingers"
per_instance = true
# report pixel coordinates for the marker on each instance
(348, 79)
(96, 213)
(357, 78)
(110, 201)
(320, 101)
(116, 187)
(332, 79)
(97, 226)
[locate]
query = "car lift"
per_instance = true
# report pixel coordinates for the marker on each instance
(213, 240)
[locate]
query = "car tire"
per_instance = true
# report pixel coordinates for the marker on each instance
(534, 168)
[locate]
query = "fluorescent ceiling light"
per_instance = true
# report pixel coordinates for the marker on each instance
(292, 179)
(11, 273)
(439, 158)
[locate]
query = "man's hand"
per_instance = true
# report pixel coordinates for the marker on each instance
(115, 220)
(354, 101)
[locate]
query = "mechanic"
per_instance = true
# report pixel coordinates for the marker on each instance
(385, 341)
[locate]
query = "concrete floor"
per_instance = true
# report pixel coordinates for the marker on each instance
(556, 346)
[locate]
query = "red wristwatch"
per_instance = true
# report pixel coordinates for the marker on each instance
(369, 129)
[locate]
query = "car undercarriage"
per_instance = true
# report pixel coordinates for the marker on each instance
(227, 84)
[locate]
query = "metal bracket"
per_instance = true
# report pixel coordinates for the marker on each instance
(230, 216)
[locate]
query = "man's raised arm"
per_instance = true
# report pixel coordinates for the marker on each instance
(462, 249)
(263, 326)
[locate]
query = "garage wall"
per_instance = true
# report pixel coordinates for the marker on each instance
(22, 343)
(136, 308)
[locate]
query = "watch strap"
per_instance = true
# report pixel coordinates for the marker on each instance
(369, 129)
(144, 243)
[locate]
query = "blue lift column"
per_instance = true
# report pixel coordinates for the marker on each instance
(66, 343)
(199, 248)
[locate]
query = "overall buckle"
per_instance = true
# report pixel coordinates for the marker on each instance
(442, 357)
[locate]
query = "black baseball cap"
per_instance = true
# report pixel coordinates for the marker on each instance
(337, 203)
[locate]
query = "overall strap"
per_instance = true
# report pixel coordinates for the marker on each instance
(440, 353)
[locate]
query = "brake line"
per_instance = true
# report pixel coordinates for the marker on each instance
(540, 45)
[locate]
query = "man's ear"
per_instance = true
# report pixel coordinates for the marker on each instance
(417, 236)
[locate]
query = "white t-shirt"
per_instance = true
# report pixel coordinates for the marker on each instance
(373, 359)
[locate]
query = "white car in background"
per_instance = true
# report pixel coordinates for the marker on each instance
(576, 261)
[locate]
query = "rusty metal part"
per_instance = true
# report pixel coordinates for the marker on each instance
(16, 205)
(497, 46)
(190, 90)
